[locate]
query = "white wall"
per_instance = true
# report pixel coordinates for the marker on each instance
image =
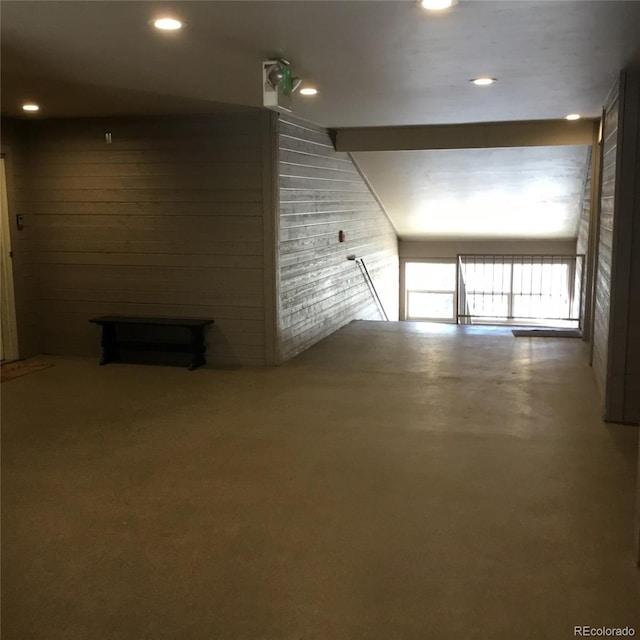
(451, 248)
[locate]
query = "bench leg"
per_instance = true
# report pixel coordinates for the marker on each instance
(197, 348)
(109, 344)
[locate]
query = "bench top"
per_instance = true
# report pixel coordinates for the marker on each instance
(167, 322)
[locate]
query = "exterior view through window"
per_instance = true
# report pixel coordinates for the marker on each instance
(494, 289)
(538, 290)
(431, 290)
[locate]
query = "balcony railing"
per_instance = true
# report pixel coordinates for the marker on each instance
(519, 288)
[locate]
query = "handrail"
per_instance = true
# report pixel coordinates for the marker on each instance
(369, 281)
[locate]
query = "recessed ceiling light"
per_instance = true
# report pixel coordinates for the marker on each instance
(483, 82)
(30, 106)
(572, 116)
(308, 91)
(437, 5)
(167, 24)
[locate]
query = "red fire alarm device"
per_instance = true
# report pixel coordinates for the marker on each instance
(340, 236)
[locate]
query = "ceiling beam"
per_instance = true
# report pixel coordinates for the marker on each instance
(481, 135)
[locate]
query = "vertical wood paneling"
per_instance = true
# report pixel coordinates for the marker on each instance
(166, 220)
(321, 193)
(14, 149)
(603, 271)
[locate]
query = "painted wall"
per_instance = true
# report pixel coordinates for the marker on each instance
(605, 242)
(166, 220)
(321, 193)
(14, 150)
(450, 249)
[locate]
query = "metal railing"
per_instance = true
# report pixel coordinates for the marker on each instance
(372, 287)
(513, 288)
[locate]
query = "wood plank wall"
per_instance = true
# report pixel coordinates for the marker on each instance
(605, 234)
(585, 211)
(582, 242)
(165, 220)
(321, 193)
(632, 357)
(622, 401)
(14, 150)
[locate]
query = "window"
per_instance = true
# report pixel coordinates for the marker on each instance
(494, 288)
(518, 287)
(430, 290)
(541, 290)
(488, 285)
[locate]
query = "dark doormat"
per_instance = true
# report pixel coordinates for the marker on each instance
(547, 333)
(13, 370)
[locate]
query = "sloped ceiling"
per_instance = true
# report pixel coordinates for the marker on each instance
(375, 63)
(516, 193)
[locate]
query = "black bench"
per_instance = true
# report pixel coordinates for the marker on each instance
(111, 343)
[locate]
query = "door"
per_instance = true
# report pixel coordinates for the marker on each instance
(8, 330)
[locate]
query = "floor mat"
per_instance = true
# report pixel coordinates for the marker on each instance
(21, 368)
(547, 333)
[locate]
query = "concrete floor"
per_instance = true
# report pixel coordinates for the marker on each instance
(395, 481)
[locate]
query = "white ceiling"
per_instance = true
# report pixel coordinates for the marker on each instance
(375, 63)
(517, 193)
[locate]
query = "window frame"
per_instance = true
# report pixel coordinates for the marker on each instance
(404, 315)
(513, 292)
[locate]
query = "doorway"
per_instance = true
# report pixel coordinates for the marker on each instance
(8, 329)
